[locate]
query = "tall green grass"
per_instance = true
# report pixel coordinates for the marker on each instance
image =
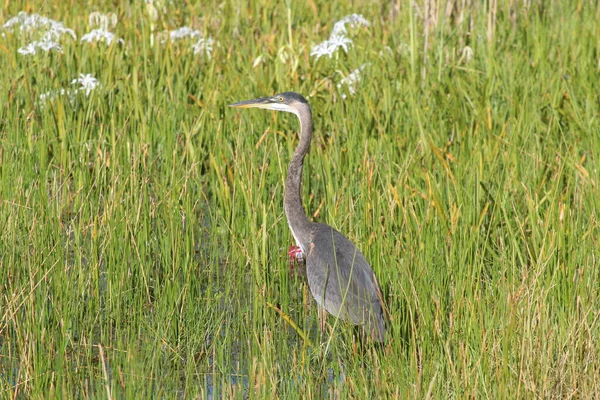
(143, 244)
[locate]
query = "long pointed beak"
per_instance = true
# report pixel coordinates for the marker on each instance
(263, 102)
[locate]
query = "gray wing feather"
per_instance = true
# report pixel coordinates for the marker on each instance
(342, 281)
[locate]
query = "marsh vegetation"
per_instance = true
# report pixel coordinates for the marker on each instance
(143, 243)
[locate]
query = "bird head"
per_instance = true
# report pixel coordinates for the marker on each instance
(287, 101)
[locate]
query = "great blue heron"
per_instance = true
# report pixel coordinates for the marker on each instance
(339, 277)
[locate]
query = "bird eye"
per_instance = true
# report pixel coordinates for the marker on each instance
(281, 99)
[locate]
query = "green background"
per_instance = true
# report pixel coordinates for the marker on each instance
(143, 244)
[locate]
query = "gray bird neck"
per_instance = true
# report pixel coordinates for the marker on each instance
(294, 211)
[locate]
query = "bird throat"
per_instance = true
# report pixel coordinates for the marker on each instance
(294, 211)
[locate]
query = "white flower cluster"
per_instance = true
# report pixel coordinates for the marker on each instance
(328, 47)
(355, 21)
(337, 39)
(182, 33)
(203, 45)
(87, 84)
(351, 80)
(98, 35)
(51, 95)
(103, 21)
(32, 25)
(46, 44)
(101, 33)
(34, 22)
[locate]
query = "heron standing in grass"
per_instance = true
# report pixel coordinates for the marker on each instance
(339, 277)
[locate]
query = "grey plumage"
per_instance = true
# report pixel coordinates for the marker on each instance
(342, 281)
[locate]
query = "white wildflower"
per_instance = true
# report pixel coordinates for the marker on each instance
(351, 80)
(57, 29)
(87, 82)
(33, 22)
(103, 21)
(29, 49)
(18, 20)
(97, 35)
(182, 33)
(328, 47)
(339, 41)
(53, 94)
(467, 53)
(338, 38)
(48, 45)
(355, 20)
(321, 49)
(204, 46)
(45, 45)
(46, 30)
(26, 22)
(48, 96)
(339, 28)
